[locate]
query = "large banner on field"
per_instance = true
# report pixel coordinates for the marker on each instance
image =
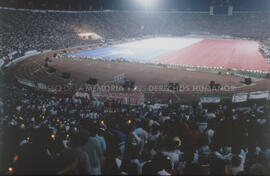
(26, 82)
(79, 94)
(158, 106)
(132, 98)
(32, 52)
(42, 86)
(210, 99)
(239, 97)
(259, 95)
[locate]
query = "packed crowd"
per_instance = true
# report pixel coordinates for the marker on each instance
(265, 50)
(64, 135)
(22, 31)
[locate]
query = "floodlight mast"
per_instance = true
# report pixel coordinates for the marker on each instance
(146, 4)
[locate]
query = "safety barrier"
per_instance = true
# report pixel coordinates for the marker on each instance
(237, 97)
(15, 61)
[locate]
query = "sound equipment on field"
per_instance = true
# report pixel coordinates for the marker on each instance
(268, 75)
(248, 81)
(217, 86)
(47, 59)
(54, 55)
(51, 70)
(212, 84)
(129, 84)
(126, 83)
(132, 85)
(92, 81)
(176, 87)
(171, 86)
(66, 75)
(46, 64)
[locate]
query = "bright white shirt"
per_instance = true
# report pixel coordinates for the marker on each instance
(163, 172)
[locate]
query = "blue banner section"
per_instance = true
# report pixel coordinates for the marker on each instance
(141, 50)
(131, 54)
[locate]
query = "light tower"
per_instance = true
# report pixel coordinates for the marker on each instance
(146, 4)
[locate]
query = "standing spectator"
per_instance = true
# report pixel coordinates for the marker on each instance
(79, 164)
(94, 149)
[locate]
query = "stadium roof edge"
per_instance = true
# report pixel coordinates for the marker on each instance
(129, 11)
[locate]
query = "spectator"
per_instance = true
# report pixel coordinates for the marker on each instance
(94, 149)
(80, 164)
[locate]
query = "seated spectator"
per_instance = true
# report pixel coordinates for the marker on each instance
(148, 169)
(217, 166)
(112, 163)
(172, 151)
(190, 167)
(256, 169)
(264, 154)
(162, 165)
(235, 167)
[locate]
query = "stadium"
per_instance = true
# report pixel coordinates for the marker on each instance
(141, 87)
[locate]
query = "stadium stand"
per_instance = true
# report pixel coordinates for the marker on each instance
(23, 31)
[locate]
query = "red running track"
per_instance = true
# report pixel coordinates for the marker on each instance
(229, 54)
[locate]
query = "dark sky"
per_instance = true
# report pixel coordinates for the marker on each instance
(195, 5)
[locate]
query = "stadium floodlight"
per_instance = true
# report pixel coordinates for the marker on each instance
(146, 3)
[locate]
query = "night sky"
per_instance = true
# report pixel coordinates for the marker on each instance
(188, 5)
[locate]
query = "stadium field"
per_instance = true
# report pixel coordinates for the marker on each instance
(220, 53)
